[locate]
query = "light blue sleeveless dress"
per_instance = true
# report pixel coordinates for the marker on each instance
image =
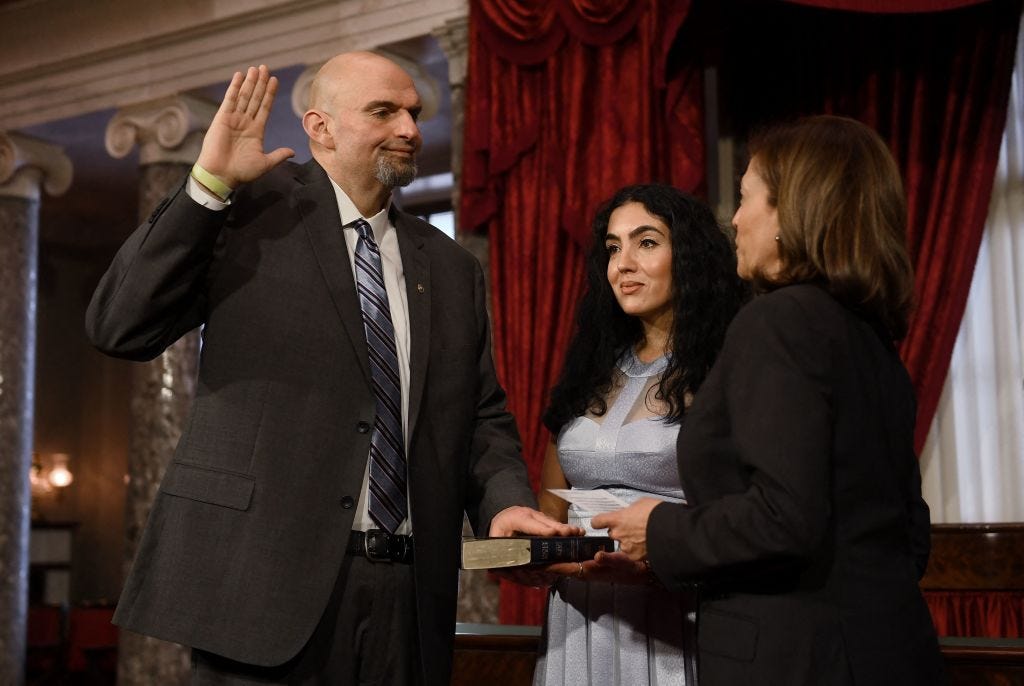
(608, 634)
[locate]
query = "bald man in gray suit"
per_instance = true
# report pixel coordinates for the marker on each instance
(262, 551)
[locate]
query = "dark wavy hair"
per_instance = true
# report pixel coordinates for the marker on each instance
(706, 293)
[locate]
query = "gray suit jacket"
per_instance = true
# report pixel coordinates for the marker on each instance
(246, 537)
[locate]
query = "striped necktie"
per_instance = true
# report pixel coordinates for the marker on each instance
(387, 502)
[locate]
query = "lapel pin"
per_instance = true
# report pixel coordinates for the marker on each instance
(420, 288)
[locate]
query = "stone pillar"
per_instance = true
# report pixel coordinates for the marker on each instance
(169, 133)
(453, 37)
(26, 165)
(478, 591)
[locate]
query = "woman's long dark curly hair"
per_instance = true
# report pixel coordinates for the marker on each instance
(706, 293)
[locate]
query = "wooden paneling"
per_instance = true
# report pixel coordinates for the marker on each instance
(494, 655)
(976, 557)
(984, 661)
(507, 659)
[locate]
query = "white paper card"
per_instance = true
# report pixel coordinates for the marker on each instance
(591, 501)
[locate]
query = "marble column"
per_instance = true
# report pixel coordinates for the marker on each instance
(169, 134)
(453, 37)
(478, 591)
(27, 165)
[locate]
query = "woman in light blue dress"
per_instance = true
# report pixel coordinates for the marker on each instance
(662, 288)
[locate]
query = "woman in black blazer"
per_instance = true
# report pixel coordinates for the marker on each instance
(805, 532)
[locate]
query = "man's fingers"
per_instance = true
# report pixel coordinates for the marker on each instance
(553, 527)
(278, 156)
(526, 520)
(258, 91)
(246, 89)
(267, 101)
(231, 94)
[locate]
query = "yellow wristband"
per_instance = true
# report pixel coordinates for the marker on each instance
(211, 182)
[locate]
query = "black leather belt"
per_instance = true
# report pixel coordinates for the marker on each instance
(380, 546)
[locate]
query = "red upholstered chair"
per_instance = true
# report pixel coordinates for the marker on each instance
(46, 646)
(92, 645)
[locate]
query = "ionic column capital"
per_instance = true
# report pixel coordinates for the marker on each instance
(28, 165)
(453, 37)
(169, 129)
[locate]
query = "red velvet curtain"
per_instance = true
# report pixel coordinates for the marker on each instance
(566, 102)
(947, 141)
(935, 85)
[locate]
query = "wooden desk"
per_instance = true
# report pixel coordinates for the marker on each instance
(981, 557)
(975, 580)
(494, 654)
(504, 656)
(984, 661)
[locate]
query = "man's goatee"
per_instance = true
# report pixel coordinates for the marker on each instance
(393, 175)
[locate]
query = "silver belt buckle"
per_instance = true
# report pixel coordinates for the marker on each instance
(375, 546)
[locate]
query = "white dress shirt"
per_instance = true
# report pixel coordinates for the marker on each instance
(386, 236)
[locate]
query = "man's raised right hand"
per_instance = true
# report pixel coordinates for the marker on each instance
(233, 146)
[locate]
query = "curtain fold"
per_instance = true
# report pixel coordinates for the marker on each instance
(949, 149)
(568, 100)
(935, 86)
(545, 143)
(528, 32)
(991, 614)
(973, 461)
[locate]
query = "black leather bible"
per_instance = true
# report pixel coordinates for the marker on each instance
(514, 551)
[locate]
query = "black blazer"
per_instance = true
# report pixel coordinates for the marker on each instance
(806, 529)
(246, 536)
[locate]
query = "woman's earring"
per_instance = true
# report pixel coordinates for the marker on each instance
(776, 236)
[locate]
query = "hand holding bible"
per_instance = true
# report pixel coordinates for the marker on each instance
(628, 526)
(518, 520)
